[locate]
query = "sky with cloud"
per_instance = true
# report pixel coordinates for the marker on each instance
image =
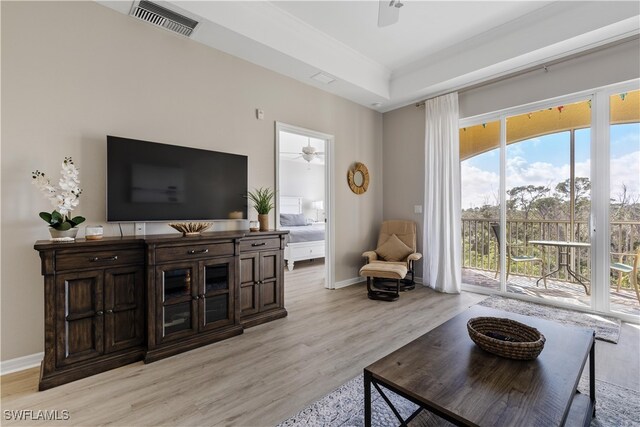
(545, 161)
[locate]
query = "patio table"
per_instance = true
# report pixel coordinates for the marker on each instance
(564, 259)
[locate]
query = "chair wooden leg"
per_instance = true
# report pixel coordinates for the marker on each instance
(634, 282)
(619, 281)
(544, 274)
(508, 269)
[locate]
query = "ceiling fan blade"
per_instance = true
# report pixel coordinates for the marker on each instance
(387, 13)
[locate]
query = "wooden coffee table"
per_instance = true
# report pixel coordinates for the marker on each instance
(445, 373)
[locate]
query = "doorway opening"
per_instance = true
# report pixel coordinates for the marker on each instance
(304, 199)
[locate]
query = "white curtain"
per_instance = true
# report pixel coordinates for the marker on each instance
(442, 239)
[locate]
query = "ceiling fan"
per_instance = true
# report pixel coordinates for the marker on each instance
(308, 153)
(388, 12)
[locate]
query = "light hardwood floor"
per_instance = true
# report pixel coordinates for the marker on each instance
(272, 371)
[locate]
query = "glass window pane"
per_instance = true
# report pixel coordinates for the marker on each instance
(548, 201)
(624, 206)
(177, 318)
(480, 202)
(216, 308)
(216, 278)
(177, 283)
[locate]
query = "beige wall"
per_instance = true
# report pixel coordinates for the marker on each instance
(611, 65)
(403, 166)
(75, 72)
(403, 141)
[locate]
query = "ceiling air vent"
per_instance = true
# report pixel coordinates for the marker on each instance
(158, 15)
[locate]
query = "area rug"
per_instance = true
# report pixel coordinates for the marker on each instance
(344, 407)
(607, 328)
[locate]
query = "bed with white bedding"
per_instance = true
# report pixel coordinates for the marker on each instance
(306, 241)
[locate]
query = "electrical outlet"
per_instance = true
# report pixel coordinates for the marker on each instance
(138, 229)
(417, 209)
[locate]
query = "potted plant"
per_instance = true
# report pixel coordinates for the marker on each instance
(64, 198)
(262, 199)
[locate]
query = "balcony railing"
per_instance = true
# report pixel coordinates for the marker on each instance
(480, 247)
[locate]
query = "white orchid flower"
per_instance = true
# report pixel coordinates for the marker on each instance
(64, 197)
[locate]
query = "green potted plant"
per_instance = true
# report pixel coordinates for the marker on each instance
(64, 198)
(262, 199)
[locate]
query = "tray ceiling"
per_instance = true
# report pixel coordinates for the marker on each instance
(435, 47)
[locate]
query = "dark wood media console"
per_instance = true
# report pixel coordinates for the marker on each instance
(115, 301)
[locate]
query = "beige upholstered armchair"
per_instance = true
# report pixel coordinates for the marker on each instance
(396, 245)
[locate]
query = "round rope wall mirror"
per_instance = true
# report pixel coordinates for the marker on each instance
(358, 178)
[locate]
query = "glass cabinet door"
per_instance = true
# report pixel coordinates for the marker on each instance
(176, 283)
(216, 297)
(178, 298)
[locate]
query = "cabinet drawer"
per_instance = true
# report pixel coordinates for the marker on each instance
(175, 253)
(97, 259)
(249, 245)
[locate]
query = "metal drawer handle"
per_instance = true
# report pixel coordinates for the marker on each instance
(201, 251)
(111, 258)
(258, 244)
(99, 313)
(109, 311)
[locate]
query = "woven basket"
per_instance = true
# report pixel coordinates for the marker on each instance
(506, 337)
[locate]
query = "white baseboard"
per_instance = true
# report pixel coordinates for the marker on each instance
(349, 282)
(21, 363)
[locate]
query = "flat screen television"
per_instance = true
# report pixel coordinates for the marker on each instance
(148, 181)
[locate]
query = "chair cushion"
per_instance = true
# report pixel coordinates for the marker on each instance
(405, 230)
(384, 270)
(618, 266)
(394, 249)
(522, 258)
(377, 261)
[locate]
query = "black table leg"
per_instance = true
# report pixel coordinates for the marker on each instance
(592, 374)
(367, 399)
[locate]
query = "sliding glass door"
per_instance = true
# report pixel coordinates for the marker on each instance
(527, 201)
(547, 191)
